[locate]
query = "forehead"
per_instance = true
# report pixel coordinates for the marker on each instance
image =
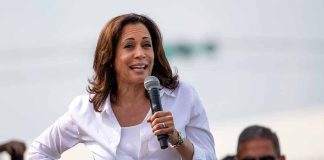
(256, 148)
(137, 30)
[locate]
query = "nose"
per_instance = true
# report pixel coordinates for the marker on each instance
(139, 53)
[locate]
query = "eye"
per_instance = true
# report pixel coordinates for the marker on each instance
(147, 45)
(128, 46)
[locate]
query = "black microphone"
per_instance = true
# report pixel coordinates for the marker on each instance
(152, 85)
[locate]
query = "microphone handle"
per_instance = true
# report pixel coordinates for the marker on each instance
(156, 106)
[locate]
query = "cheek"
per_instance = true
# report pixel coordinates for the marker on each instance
(152, 60)
(120, 63)
(152, 56)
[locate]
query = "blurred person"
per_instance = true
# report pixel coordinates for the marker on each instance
(229, 157)
(14, 148)
(258, 143)
(114, 120)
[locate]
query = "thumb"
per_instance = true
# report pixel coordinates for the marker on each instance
(149, 119)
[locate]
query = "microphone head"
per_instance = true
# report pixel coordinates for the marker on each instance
(151, 82)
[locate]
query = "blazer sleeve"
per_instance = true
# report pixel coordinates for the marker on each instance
(56, 139)
(198, 131)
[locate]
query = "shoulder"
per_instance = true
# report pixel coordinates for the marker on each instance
(81, 104)
(185, 86)
(183, 90)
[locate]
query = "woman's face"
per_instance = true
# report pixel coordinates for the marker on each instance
(134, 54)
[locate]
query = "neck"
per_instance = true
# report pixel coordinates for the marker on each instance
(130, 94)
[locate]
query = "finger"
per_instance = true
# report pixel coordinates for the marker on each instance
(160, 114)
(149, 119)
(159, 120)
(160, 117)
(160, 126)
(168, 131)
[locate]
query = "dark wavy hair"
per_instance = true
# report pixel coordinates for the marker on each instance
(104, 81)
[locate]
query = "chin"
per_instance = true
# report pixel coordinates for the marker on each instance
(139, 79)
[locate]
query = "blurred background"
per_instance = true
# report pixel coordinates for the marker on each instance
(252, 62)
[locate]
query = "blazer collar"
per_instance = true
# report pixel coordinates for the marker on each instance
(167, 92)
(106, 108)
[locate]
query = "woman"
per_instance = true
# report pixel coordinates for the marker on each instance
(114, 121)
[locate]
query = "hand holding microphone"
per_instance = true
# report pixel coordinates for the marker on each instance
(162, 122)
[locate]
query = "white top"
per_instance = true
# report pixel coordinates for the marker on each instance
(103, 136)
(129, 146)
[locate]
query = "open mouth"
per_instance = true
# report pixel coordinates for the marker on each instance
(138, 67)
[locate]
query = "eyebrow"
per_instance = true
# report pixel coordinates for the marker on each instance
(134, 38)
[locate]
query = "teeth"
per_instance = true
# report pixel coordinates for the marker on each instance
(138, 67)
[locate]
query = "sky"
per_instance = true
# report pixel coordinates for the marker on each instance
(267, 68)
